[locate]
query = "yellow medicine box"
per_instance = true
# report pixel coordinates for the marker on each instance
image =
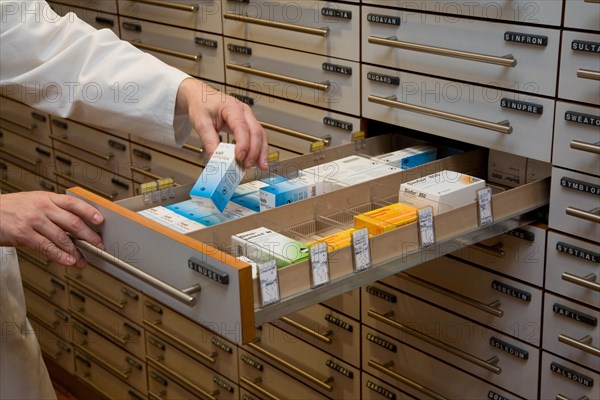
(386, 218)
(336, 240)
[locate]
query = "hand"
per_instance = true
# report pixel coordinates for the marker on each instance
(40, 220)
(211, 111)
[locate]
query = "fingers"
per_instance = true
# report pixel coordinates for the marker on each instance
(250, 137)
(75, 217)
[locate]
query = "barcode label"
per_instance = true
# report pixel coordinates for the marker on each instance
(426, 230)
(269, 283)
(313, 191)
(484, 202)
(361, 250)
(319, 265)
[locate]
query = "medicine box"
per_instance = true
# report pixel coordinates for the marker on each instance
(198, 211)
(341, 168)
(363, 176)
(386, 218)
(336, 240)
(171, 219)
(410, 157)
(290, 191)
(262, 245)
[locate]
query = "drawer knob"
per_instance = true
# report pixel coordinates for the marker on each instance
(584, 146)
(592, 215)
(280, 25)
(583, 344)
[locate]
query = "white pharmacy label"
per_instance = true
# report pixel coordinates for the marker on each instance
(426, 230)
(269, 283)
(484, 201)
(319, 264)
(361, 249)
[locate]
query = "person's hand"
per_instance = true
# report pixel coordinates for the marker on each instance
(211, 111)
(40, 220)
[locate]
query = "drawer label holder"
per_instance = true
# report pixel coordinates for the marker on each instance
(581, 118)
(319, 265)
(580, 186)
(382, 78)
(336, 13)
(252, 363)
(382, 343)
(511, 291)
(218, 381)
(584, 45)
(206, 42)
(522, 234)
(495, 396)
(381, 390)
(243, 99)
(382, 294)
(578, 252)
(220, 344)
(574, 314)
(209, 271)
(336, 123)
(509, 348)
(268, 279)
(523, 106)
(361, 250)
(526, 38)
(338, 368)
(338, 322)
(383, 19)
(338, 69)
(571, 374)
(239, 49)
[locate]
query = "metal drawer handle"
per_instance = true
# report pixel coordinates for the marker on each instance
(189, 147)
(588, 281)
(560, 396)
(10, 185)
(502, 127)
(39, 291)
(123, 374)
(280, 25)
(182, 380)
(166, 4)
(271, 75)
(169, 52)
(485, 364)
(179, 342)
(592, 215)
(583, 344)
(19, 124)
(323, 337)
(592, 1)
(18, 157)
(300, 135)
(494, 250)
(87, 375)
(31, 258)
(54, 356)
(257, 388)
(110, 196)
(321, 383)
(584, 146)
(145, 173)
(51, 326)
(505, 61)
(154, 396)
(82, 286)
(106, 157)
(409, 382)
(109, 334)
(183, 295)
(588, 74)
(492, 308)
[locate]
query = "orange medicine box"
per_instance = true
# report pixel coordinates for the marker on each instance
(336, 240)
(386, 218)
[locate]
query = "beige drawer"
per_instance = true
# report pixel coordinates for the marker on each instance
(186, 371)
(571, 331)
(43, 283)
(347, 303)
(530, 12)
(482, 52)
(126, 367)
(92, 145)
(574, 203)
(378, 389)
(108, 6)
(294, 75)
(93, 15)
(56, 349)
(22, 119)
(192, 151)
(579, 78)
(42, 262)
(94, 374)
(269, 382)
(582, 14)
(26, 153)
(577, 137)
(196, 53)
(509, 252)
(503, 304)
(108, 323)
(565, 380)
(197, 342)
(16, 179)
(46, 317)
(319, 27)
(418, 101)
(411, 370)
(572, 268)
(474, 348)
(162, 385)
(112, 293)
(202, 15)
(326, 329)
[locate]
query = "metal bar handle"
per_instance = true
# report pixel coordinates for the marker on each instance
(86, 375)
(15, 187)
(271, 75)
(588, 74)
(169, 52)
(18, 157)
(179, 342)
(110, 335)
(409, 382)
(87, 187)
(293, 133)
(279, 25)
(154, 396)
(494, 250)
(584, 146)
(323, 337)
(54, 356)
(80, 285)
(19, 124)
(561, 396)
(39, 291)
(189, 147)
(582, 344)
(592, 1)
(51, 326)
(145, 173)
(587, 282)
(257, 388)
(123, 374)
(304, 374)
(505, 61)
(591, 215)
(502, 127)
(182, 380)
(166, 4)
(106, 157)
(491, 308)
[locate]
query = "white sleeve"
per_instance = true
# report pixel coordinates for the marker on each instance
(66, 67)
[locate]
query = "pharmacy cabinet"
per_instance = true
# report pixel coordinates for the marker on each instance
(582, 14)
(105, 6)
(22, 119)
(16, 179)
(580, 67)
(564, 379)
(26, 154)
(95, 17)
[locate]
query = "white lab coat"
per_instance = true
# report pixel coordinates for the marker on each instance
(67, 68)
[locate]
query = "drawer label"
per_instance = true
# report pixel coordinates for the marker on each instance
(336, 123)
(239, 49)
(338, 368)
(382, 342)
(524, 106)
(584, 45)
(495, 396)
(574, 314)
(223, 384)
(252, 363)
(511, 291)
(381, 390)
(571, 374)
(381, 294)
(154, 307)
(387, 79)
(578, 252)
(243, 99)
(522, 234)
(206, 42)
(509, 348)
(130, 26)
(209, 271)
(338, 322)
(336, 13)
(220, 344)
(581, 118)
(158, 378)
(38, 116)
(129, 293)
(383, 19)
(338, 69)
(580, 186)
(526, 38)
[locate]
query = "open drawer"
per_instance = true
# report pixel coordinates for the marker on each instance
(195, 274)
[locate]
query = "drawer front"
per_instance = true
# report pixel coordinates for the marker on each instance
(420, 99)
(26, 153)
(93, 16)
(411, 370)
(347, 303)
(204, 15)
(194, 376)
(197, 342)
(197, 53)
(94, 346)
(294, 75)
(580, 67)
(16, 179)
(162, 385)
(46, 317)
(506, 305)
(317, 27)
(23, 119)
(56, 349)
(377, 389)
(577, 137)
(42, 262)
(508, 253)
(474, 348)
(571, 331)
(574, 203)
(322, 327)
(563, 379)
(582, 14)
(192, 151)
(44, 284)
(108, 6)
(269, 382)
(463, 49)
(573, 268)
